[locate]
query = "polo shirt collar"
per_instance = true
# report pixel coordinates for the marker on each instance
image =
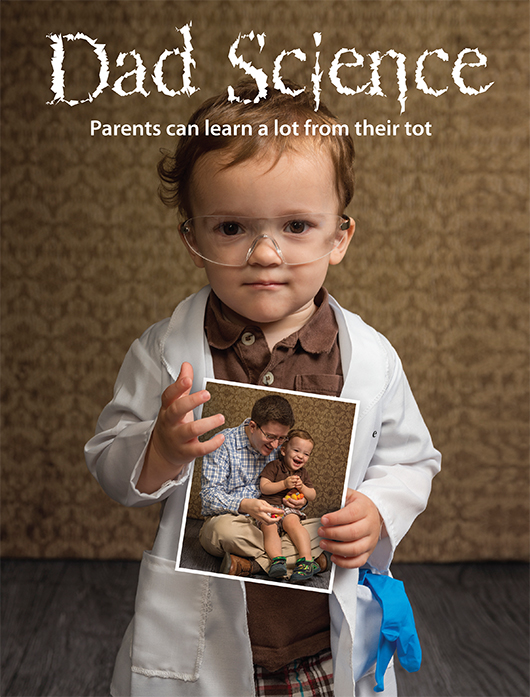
(317, 336)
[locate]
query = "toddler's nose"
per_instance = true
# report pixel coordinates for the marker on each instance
(265, 252)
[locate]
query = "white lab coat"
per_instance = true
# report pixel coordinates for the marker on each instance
(189, 634)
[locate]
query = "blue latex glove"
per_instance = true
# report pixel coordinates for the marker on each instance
(398, 631)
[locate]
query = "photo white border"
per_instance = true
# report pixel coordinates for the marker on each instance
(268, 582)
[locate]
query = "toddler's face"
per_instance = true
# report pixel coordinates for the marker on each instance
(296, 453)
(266, 290)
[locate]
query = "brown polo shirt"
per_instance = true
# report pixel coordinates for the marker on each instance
(307, 361)
(277, 471)
(284, 623)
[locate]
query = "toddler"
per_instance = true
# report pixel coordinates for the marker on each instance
(264, 216)
(280, 479)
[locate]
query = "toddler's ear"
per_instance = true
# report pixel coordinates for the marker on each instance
(340, 250)
(197, 260)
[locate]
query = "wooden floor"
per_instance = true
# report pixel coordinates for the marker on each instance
(62, 623)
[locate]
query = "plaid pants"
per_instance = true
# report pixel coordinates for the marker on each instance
(305, 677)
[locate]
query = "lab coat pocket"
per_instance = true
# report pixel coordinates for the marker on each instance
(367, 630)
(169, 635)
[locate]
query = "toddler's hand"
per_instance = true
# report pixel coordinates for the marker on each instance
(352, 533)
(174, 441)
(293, 482)
(295, 503)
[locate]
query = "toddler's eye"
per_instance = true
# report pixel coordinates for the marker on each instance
(230, 228)
(297, 226)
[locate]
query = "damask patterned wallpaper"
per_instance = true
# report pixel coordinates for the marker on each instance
(91, 258)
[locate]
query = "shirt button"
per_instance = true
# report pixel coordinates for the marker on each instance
(248, 339)
(268, 378)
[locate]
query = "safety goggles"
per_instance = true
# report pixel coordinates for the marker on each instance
(231, 240)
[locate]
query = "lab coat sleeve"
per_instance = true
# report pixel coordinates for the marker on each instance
(399, 476)
(115, 455)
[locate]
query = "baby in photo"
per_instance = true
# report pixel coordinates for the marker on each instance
(285, 483)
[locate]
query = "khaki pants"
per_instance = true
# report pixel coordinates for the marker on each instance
(237, 534)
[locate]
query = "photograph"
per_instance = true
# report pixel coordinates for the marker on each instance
(289, 451)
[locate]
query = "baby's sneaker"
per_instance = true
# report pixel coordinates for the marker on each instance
(278, 567)
(304, 570)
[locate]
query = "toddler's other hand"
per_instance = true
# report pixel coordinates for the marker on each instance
(292, 482)
(174, 441)
(352, 533)
(295, 503)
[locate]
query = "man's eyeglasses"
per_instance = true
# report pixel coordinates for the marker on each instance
(270, 437)
(296, 239)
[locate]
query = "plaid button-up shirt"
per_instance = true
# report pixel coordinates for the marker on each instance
(231, 473)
